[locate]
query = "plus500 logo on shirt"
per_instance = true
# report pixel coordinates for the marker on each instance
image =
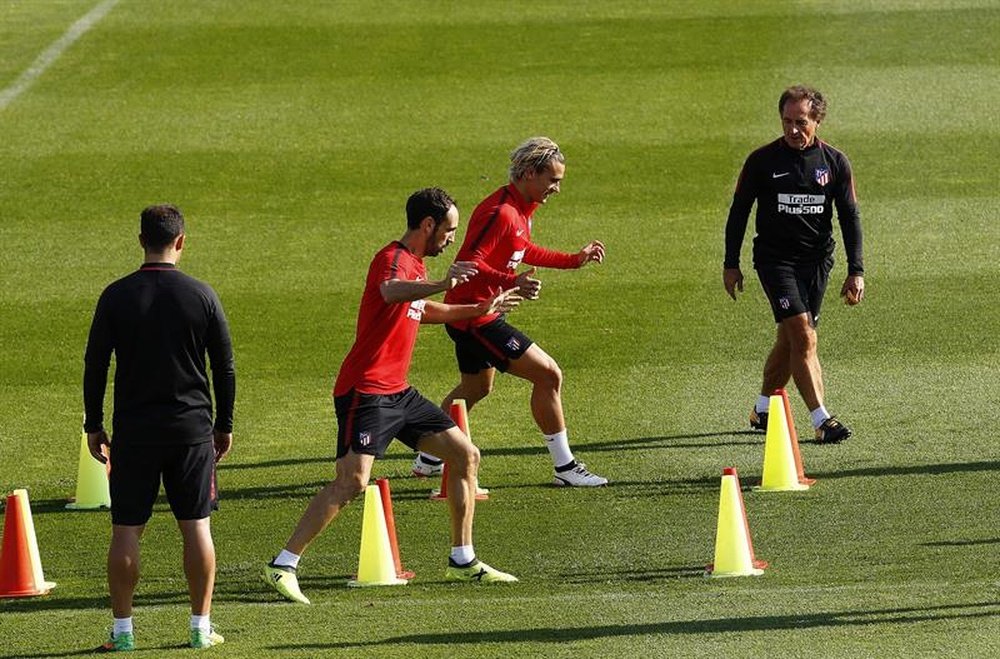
(801, 204)
(515, 259)
(416, 310)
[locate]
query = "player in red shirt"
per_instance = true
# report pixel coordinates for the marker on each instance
(375, 403)
(497, 242)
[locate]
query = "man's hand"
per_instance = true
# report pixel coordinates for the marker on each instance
(96, 441)
(502, 302)
(732, 279)
(593, 251)
(853, 290)
(460, 272)
(527, 286)
(223, 442)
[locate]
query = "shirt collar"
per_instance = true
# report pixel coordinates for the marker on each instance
(158, 266)
(522, 204)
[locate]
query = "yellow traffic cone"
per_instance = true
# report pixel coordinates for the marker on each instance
(375, 563)
(780, 471)
(733, 549)
(20, 565)
(91, 482)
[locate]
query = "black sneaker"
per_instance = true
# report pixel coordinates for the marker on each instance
(832, 431)
(758, 420)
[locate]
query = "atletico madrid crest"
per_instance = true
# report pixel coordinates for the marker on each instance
(823, 175)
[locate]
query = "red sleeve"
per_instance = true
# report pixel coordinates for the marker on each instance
(494, 233)
(548, 258)
(386, 265)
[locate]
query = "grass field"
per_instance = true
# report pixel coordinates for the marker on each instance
(291, 134)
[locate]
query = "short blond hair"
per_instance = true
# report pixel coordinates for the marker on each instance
(533, 156)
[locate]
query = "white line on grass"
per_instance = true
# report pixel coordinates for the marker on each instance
(53, 52)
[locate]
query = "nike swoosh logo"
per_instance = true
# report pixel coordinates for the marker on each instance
(776, 175)
(520, 231)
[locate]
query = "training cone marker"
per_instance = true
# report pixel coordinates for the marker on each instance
(390, 527)
(460, 415)
(375, 564)
(20, 565)
(91, 482)
(794, 436)
(780, 472)
(733, 549)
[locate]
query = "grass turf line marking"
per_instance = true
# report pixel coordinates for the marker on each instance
(53, 52)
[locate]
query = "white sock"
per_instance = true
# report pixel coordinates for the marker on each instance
(427, 458)
(819, 415)
(287, 559)
(122, 626)
(763, 404)
(201, 622)
(558, 445)
(463, 554)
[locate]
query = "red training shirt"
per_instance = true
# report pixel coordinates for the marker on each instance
(499, 240)
(380, 358)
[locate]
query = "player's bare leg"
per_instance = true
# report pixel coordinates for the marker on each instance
(472, 388)
(804, 359)
(462, 457)
(123, 567)
(353, 471)
(536, 366)
(199, 563)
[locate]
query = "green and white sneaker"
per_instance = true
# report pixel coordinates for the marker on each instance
(476, 571)
(202, 639)
(118, 643)
(282, 578)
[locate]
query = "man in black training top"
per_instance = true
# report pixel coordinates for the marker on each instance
(796, 181)
(160, 323)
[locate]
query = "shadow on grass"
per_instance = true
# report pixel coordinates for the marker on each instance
(643, 576)
(663, 442)
(287, 462)
(712, 626)
(961, 543)
(912, 470)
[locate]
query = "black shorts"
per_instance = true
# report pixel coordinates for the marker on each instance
(187, 470)
(367, 423)
(795, 289)
(492, 345)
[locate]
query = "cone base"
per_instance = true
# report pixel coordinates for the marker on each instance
(44, 590)
(87, 506)
(796, 487)
(754, 572)
(354, 583)
(806, 481)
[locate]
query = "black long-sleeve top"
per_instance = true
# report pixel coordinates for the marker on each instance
(160, 323)
(795, 193)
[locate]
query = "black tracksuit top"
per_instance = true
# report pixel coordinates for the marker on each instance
(795, 192)
(160, 323)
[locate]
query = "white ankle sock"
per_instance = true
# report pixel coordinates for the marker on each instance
(201, 622)
(287, 559)
(819, 415)
(558, 445)
(463, 554)
(763, 404)
(122, 625)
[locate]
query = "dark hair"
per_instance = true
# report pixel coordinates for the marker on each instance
(429, 202)
(817, 102)
(160, 225)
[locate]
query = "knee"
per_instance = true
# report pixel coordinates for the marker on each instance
(479, 391)
(803, 341)
(346, 488)
(550, 376)
(466, 457)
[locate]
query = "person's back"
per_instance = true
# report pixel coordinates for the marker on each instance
(160, 323)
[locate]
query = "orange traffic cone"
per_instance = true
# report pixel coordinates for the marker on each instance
(780, 466)
(800, 472)
(460, 415)
(375, 566)
(390, 526)
(20, 565)
(733, 548)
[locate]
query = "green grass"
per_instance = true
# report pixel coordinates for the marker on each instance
(291, 136)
